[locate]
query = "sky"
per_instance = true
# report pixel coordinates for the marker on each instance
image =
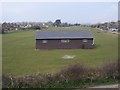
(71, 12)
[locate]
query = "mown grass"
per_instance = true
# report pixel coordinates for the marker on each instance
(21, 58)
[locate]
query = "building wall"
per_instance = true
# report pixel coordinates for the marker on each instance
(57, 44)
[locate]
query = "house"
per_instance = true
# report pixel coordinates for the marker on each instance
(113, 27)
(9, 26)
(82, 39)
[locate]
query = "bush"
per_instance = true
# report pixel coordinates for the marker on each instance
(74, 72)
(110, 70)
(6, 81)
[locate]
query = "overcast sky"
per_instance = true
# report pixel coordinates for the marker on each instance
(71, 12)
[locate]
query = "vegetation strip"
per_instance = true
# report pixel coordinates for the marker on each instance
(72, 76)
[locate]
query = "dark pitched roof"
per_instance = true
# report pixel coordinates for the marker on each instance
(63, 34)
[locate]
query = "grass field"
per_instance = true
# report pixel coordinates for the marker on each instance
(21, 58)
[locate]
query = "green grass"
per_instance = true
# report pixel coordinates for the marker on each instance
(21, 58)
(81, 85)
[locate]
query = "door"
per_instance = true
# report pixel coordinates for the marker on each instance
(83, 46)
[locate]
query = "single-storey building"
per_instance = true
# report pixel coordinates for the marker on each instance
(82, 39)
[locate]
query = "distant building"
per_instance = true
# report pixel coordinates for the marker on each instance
(113, 27)
(64, 39)
(10, 26)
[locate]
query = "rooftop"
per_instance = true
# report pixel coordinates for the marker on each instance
(64, 34)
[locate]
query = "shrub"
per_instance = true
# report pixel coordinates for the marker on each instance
(93, 74)
(110, 70)
(74, 72)
(6, 81)
(36, 80)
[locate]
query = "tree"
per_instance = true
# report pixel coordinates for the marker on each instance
(36, 27)
(57, 23)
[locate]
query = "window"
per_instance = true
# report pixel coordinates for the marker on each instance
(85, 40)
(44, 41)
(65, 41)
